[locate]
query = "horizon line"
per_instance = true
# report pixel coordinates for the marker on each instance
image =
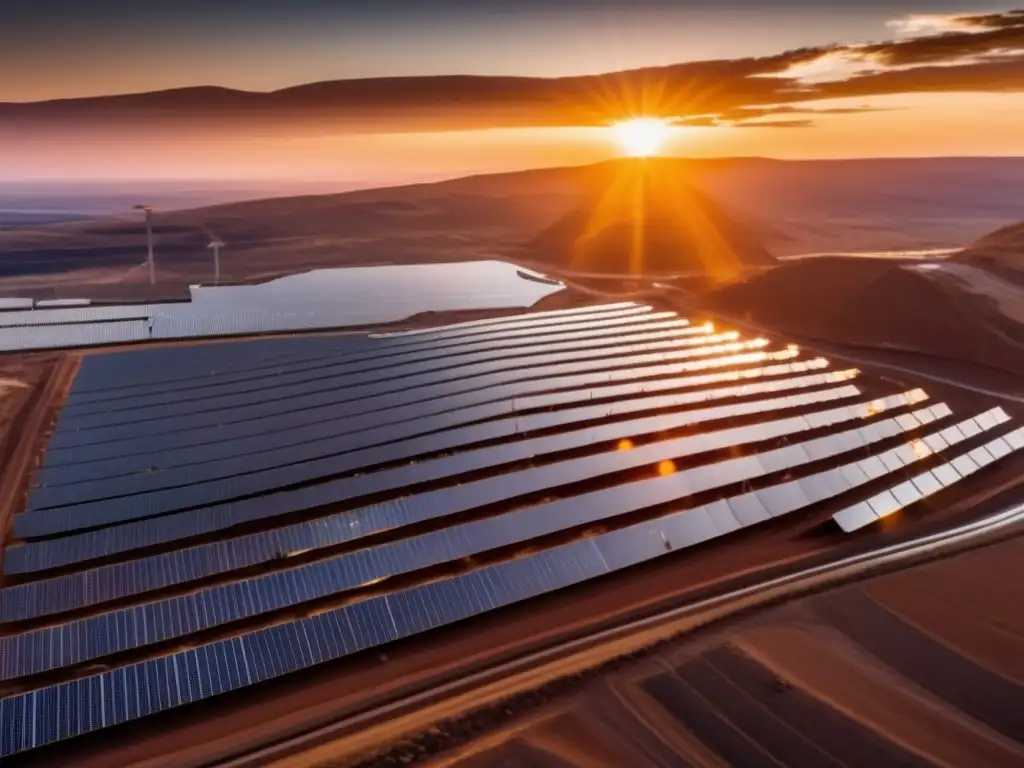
(472, 175)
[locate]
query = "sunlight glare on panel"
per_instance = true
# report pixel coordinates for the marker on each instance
(666, 468)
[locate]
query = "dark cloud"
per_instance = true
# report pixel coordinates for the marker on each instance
(440, 103)
(753, 117)
(992, 20)
(707, 93)
(983, 34)
(1004, 75)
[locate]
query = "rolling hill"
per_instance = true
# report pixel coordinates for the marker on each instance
(875, 303)
(1001, 252)
(786, 207)
(647, 221)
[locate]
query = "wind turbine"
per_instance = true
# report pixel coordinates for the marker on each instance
(216, 244)
(148, 209)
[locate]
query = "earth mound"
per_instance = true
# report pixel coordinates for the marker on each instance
(646, 220)
(872, 302)
(1001, 252)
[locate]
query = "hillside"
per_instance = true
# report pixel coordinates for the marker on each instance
(1001, 252)
(649, 222)
(874, 302)
(786, 207)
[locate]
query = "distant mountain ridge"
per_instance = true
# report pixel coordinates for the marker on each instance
(784, 207)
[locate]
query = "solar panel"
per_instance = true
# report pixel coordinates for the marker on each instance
(524, 396)
(279, 375)
(488, 322)
(906, 493)
(510, 436)
(57, 317)
(263, 477)
(323, 532)
(86, 546)
(927, 483)
(14, 303)
(416, 388)
(361, 382)
(181, 364)
(30, 337)
(283, 648)
(233, 364)
(403, 404)
(287, 588)
(278, 449)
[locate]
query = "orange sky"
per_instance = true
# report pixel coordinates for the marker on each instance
(941, 87)
(903, 126)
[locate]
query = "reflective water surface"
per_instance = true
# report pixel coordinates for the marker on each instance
(324, 298)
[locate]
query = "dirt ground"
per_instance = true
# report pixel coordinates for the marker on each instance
(920, 667)
(875, 302)
(32, 389)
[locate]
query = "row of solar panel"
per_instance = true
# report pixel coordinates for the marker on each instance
(268, 410)
(889, 502)
(423, 386)
(126, 693)
(371, 356)
(194, 522)
(63, 302)
(172, 321)
(486, 323)
(264, 473)
(347, 393)
(357, 383)
(15, 303)
(180, 364)
(29, 337)
(108, 478)
(123, 579)
(76, 316)
(329, 450)
(386, 365)
(74, 642)
(126, 456)
(431, 399)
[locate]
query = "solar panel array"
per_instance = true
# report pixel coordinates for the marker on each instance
(31, 337)
(930, 482)
(227, 490)
(9, 304)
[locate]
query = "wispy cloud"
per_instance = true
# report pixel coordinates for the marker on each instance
(775, 124)
(753, 113)
(923, 24)
(701, 121)
(1001, 76)
(949, 38)
(992, 20)
(980, 52)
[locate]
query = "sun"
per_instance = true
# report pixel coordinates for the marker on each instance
(641, 136)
